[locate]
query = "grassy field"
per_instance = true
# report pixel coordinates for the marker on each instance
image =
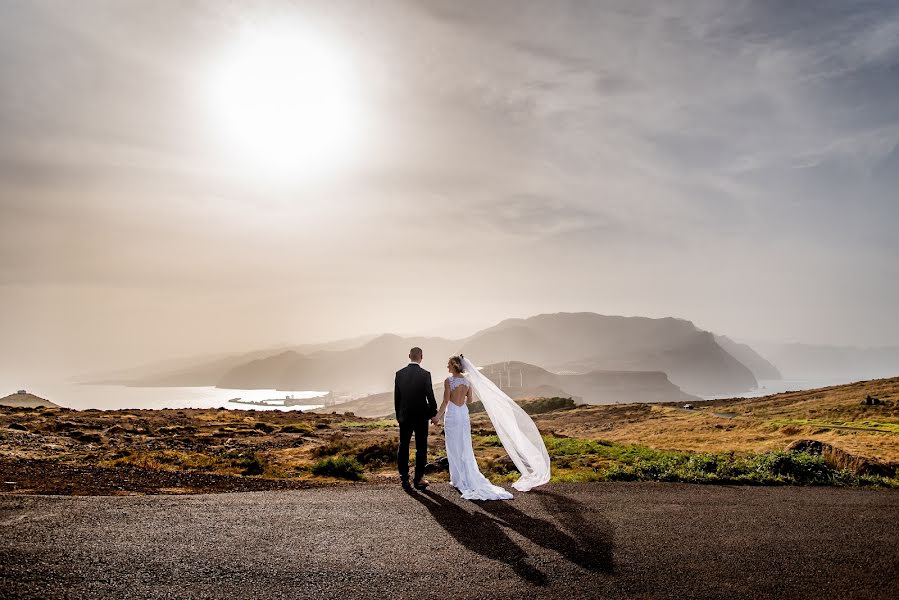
(835, 415)
(723, 441)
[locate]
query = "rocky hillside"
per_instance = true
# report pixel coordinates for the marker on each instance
(841, 416)
(845, 435)
(760, 367)
(521, 380)
(564, 343)
(584, 342)
(25, 399)
(369, 367)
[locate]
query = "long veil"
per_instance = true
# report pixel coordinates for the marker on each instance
(515, 428)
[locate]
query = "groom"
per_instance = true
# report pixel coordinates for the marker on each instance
(413, 399)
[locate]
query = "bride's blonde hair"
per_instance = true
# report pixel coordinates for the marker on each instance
(456, 361)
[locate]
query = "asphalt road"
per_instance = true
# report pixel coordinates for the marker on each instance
(623, 540)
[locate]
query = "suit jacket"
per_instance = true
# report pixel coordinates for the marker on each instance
(413, 395)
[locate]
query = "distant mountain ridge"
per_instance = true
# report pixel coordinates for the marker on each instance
(760, 367)
(521, 380)
(563, 343)
(206, 369)
(369, 367)
(583, 342)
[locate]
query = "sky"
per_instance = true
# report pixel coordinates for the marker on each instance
(448, 165)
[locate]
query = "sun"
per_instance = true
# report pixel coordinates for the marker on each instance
(284, 101)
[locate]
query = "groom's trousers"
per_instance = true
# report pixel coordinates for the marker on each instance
(420, 429)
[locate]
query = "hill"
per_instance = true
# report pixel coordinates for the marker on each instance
(761, 368)
(563, 343)
(835, 415)
(206, 369)
(25, 400)
(584, 342)
(369, 367)
(522, 381)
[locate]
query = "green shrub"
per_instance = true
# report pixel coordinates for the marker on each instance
(248, 462)
(545, 405)
(577, 459)
(336, 445)
(557, 446)
(533, 407)
(799, 467)
(303, 428)
(486, 440)
(341, 466)
(378, 453)
(252, 465)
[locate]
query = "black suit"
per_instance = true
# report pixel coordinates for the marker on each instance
(413, 399)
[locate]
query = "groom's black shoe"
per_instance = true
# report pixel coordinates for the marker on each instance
(421, 484)
(405, 483)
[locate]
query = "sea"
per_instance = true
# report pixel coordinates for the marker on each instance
(111, 397)
(776, 386)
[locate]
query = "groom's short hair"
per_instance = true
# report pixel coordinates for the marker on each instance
(415, 353)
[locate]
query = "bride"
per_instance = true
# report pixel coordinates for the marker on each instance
(515, 429)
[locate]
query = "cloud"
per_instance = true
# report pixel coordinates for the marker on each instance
(643, 157)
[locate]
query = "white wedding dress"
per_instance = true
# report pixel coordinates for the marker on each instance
(514, 427)
(464, 472)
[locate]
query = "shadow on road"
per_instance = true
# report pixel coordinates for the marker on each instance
(593, 534)
(584, 538)
(480, 534)
(589, 544)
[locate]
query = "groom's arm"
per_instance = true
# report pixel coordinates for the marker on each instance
(432, 402)
(442, 410)
(396, 396)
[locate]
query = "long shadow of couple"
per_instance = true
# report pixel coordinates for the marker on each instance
(587, 543)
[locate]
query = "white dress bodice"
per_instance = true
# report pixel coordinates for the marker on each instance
(455, 381)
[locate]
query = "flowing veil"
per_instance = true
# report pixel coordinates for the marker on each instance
(515, 428)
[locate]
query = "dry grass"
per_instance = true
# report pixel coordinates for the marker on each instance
(171, 460)
(586, 442)
(835, 415)
(270, 444)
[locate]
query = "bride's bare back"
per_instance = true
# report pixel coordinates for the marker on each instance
(457, 390)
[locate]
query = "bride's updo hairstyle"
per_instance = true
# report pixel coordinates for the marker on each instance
(456, 361)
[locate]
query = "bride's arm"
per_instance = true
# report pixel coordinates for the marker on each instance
(442, 410)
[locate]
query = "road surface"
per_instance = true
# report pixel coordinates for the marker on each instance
(599, 540)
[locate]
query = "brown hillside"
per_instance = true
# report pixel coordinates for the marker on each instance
(26, 399)
(835, 415)
(521, 380)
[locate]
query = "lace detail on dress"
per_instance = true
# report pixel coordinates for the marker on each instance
(456, 382)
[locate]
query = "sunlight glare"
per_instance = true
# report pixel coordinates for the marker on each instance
(284, 101)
